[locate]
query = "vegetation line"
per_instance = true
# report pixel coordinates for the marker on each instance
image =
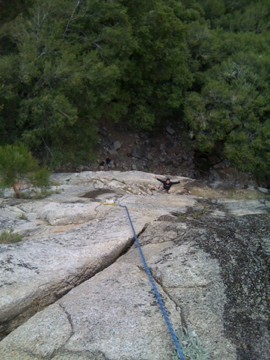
(198, 65)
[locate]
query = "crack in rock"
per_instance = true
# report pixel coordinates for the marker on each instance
(56, 292)
(159, 282)
(69, 319)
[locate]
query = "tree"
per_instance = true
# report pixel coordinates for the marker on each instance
(17, 165)
(82, 62)
(159, 71)
(227, 108)
(63, 83)
(9, 99)
(230, 116)
(9, 9)
(69, 65)
(243, 16)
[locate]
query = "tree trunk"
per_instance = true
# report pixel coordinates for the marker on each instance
(16, 187)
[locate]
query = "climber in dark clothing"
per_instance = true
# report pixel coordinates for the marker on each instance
(167, 184)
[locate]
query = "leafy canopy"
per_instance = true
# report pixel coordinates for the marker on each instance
(78, 63)
(228, 107)
(69, 65)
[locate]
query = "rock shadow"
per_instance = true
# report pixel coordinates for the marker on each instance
(95, 193)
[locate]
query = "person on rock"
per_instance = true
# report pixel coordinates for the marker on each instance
(107, 164)
(167, 184)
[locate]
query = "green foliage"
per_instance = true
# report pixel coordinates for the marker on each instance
(11, 8)
(15, 162)
(192, 346)
(17, 165)
(245, 16)
(160, 71)
(231, 114)
(228, 107)
(40, 178)
(8, 237)
(9, 99)
(67, 66)
(80, 62)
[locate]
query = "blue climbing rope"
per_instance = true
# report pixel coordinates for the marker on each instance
(157, 294)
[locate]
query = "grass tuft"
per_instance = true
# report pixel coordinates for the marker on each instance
(8, 237)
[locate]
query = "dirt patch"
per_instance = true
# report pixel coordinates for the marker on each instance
(166, 153)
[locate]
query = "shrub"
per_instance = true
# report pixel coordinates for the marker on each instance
(192, 346)
(17, 167)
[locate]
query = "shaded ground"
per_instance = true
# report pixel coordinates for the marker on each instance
(168, 153)
(93, 194)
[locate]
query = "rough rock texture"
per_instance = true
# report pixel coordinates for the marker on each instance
(69, 237)
(179, 266)
(209, 259)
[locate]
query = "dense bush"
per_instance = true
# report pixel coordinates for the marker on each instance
(67, 66)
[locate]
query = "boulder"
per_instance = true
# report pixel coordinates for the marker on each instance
(117, 145)
(62, 245)
(38, 271)
(75, 287)
(107, 312)
(170, 130)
